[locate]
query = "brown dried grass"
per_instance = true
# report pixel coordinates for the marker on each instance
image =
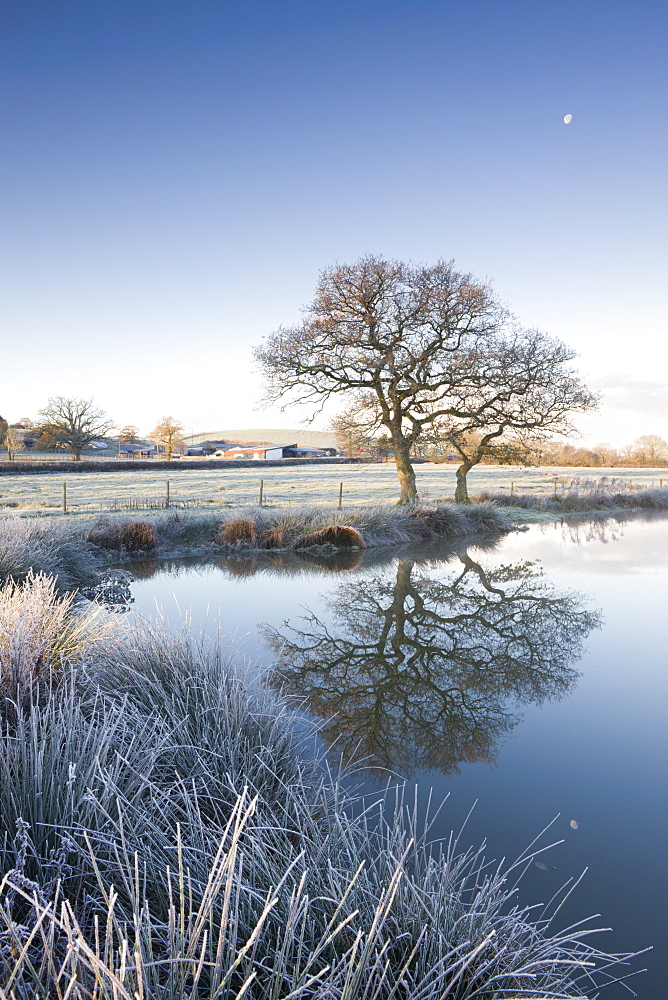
(133, 536)
(240, 530)
(273, 538)
(341, 536)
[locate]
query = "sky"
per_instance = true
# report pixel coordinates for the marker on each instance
(174, 174)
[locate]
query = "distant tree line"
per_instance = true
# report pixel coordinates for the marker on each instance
(76, 425)
(648, 451)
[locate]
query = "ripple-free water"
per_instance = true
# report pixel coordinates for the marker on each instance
(527, 675)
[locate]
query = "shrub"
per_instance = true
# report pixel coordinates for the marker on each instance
(238, 531)
(132, 536)
(341, 536)
(137, 536)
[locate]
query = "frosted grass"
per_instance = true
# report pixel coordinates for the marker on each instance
(294, 485)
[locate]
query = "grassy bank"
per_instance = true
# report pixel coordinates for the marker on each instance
(166, 832)
(578, 499)
(74, 551)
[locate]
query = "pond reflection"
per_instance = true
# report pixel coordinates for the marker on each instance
(416, 671)
(249, 562)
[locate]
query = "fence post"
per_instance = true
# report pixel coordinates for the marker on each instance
(261, 490)
(512, 486)
(555, 484)
(167, 495)
(64, 498)
(340, 495)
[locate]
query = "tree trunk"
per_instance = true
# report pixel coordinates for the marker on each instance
(169, 450)
(405, 472)
(398, 610)
(76, 455)
(461, 490)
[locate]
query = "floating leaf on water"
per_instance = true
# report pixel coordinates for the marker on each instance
(574, 824)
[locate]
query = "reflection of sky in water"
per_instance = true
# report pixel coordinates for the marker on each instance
(605, 547)
(598, 756)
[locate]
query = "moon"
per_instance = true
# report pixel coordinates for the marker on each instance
(568, 119)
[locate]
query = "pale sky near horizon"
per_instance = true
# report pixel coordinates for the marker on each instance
(175, 174)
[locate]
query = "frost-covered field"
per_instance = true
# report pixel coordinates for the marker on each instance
(293, 485)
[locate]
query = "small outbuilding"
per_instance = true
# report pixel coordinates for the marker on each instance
(259, 452)
(136, 450)
(293, 451)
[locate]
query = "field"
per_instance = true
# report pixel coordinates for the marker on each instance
(227, 487)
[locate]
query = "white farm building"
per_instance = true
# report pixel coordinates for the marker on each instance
(267, 452)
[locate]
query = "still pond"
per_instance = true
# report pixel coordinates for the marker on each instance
(526, 674)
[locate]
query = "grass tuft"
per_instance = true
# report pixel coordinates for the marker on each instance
(41, 631)
(237, 531)
(341, 536)
(43, 546)
(272, 538)
(128, 536)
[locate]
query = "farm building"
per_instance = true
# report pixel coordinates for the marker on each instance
(293, 451)
(257, 452)
(268, 452)
(139, 450)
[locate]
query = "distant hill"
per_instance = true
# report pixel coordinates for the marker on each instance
(263, 435)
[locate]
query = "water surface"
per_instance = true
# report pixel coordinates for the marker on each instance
(528, 675)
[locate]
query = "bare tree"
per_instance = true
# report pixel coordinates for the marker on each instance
(13, 442)
(129, 434)
(518, 389)
(73, 424)
(350, 432)
(168, 432)
(415, 348)
(650, 451)
(384, 333)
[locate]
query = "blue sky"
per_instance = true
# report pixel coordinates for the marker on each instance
(175, 174)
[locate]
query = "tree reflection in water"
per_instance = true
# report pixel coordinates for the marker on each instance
(417, 672)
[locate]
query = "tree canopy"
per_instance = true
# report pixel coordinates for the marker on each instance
(417, 348)
(73, 424)
(168, 432)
